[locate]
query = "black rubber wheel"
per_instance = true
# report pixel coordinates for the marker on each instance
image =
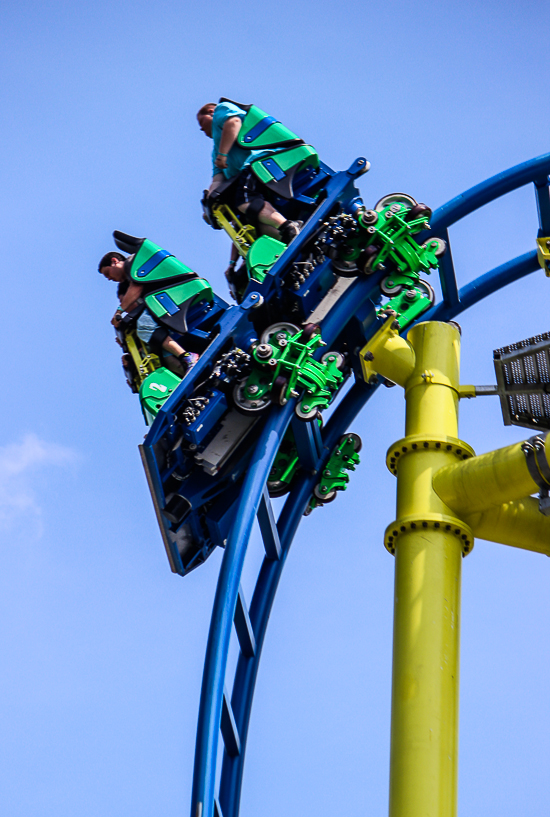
(273, 330)
(278, 391)
(357, 441)
(305, 415)
(427, 289)
(366, 259)
(309, 331)
(394, 198)
(278, 488)
(418, 211)
(345, 269)
(340, 360)
(324, 498)
(390, 290)
(245, 405)
(438, 250)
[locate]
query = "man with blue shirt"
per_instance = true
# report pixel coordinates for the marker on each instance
(222, 123)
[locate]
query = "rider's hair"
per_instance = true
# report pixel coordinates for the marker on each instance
(108, 257)
(205, 108)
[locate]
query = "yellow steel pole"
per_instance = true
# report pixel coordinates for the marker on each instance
(428, 541)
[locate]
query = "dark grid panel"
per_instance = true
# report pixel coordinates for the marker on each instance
(523, 378)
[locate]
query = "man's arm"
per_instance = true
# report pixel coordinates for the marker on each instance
(216, 181)
(230, 132)
(127, 301)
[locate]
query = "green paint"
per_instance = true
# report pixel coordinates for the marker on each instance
(155, 390)
(195, 289)
(168, 267)
(291, 357)
(271, 136)
(262, 255)
(334, 477)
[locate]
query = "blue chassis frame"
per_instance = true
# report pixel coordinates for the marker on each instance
(234, 322)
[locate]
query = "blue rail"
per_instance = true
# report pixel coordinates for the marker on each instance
(232, 716)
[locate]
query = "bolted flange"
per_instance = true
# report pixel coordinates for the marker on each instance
(432, 521)
(421, 442)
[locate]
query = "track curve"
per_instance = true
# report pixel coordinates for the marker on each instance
(231, 715)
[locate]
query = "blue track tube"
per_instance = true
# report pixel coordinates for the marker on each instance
(224, 610)
(264, 596)
(535, 170)
(485, 285)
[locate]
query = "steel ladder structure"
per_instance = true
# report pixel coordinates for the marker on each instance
(227, 713)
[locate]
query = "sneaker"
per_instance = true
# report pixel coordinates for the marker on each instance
(289, 230)
(188, 360)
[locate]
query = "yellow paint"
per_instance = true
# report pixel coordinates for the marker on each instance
(487, 480)
(543, 254)
(242, 235)
(393, 355)
(518, 524)
(144, 362)
(428, 561)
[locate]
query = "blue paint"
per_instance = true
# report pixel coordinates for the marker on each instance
(259, 128)
(166, 301)
(153, 262)
(272, 167)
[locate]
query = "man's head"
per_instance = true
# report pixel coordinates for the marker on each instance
(204, 118)
(112, 266)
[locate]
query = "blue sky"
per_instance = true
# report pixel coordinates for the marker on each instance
(102, 645)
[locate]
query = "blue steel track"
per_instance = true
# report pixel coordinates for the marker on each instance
(229, 714)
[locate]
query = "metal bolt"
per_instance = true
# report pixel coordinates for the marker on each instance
(263, 351)
(253, 297)
(252, 389)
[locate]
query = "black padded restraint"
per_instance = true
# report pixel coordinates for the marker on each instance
(252, 212)
(157, 339)
(127, 243)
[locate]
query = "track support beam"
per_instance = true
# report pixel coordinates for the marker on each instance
(428, 557)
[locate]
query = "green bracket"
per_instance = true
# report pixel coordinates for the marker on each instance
(284, 365)
(392, 234)
(345, 457)
(409, 304)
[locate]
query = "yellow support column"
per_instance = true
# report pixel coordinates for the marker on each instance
(428, 541)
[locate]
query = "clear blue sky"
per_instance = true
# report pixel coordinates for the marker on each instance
(102, 646)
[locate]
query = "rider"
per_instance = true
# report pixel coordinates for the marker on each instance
(116, 267)
(222, 123)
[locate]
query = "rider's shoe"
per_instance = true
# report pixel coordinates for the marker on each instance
(188, 360)
(289, 230)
